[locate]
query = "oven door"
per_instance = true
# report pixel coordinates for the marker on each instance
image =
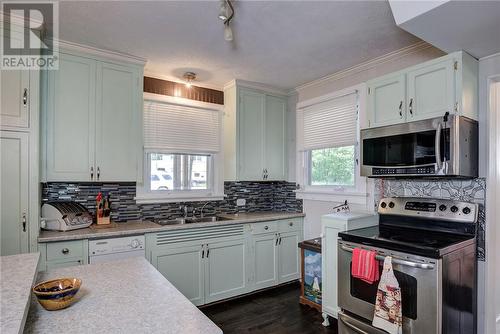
(410, 149)
(419, 279)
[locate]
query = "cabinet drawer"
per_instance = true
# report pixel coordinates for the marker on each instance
(288, 225)
(55, 265)
(264, 227)
(66, 249)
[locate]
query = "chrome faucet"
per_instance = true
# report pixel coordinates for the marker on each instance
(202, 208)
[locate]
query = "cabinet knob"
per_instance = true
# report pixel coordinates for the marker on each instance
(290, 224)
(266, 228)
(65, 251)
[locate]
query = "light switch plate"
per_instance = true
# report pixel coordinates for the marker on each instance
(241, 202)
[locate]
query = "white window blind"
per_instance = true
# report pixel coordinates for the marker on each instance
(171, 127)
(331, 123)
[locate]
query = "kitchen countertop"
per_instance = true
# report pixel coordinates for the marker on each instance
(126, 296)
(141, 227)
(18, 273)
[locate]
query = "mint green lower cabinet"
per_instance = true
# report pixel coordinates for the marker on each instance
(62, 254)
(226, 270)
(265, 260)
(289, 267)
(183, 266)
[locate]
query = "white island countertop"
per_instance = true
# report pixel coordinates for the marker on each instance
(18, 273)
(126, 296)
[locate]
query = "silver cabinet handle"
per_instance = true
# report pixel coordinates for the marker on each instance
(65, 251)
(411, 106)
(25, 97)
(401, 109)
(276, 243)
(208, 251)
(91, 172)
(397, 260)
(24, 221)
(202, 251)
(279, 243)
(98, 173)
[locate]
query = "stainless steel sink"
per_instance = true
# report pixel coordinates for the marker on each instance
(190, 220)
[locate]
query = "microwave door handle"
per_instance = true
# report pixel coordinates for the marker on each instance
(437, 147)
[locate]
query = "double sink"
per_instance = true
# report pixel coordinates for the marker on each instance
(190, 220)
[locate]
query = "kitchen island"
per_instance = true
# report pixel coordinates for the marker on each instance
(18, 273)
(126, 296)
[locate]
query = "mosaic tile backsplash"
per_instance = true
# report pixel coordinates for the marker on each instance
(461, 190)
(259, 196)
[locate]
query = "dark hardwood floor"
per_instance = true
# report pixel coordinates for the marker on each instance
(271, 311)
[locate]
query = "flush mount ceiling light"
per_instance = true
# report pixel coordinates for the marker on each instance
(226, 13)
(189, 77)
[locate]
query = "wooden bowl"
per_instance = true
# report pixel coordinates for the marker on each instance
(58, 293)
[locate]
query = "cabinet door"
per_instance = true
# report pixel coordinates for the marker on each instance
(14, 192)
(250, 135)
(431, 90)
(70, 120)
(226, 270)
(265, 260)
(118, 123)
(183, 266)
(386, 101)
(14, 111)
(289, 267)
(275, 147)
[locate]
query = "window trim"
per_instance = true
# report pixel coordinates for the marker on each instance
(215, 192)
(356, 194)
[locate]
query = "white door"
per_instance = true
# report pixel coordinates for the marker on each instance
(70, 120)
(250, 135)
(265, 260)
(118, 123)
(275, 139)
(226, 270)
(14, 111)
(431, 90)
(289, 267)
(14, 215)
(386, 101)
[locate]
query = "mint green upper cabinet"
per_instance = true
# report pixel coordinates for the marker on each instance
(431, 90)
(14, 192)
(428, 90)
(251, 135)
(70, 119)
(226, 269)
(14, 109)
(184, 267)
(275, 144)
(265, 260)
(386, 100)
(118, 122)
(255, 146)
(93, 120)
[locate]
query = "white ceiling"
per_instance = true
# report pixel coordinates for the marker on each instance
(278, 43)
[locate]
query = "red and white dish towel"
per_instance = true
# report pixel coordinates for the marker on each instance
(388, 315)
(364, 265)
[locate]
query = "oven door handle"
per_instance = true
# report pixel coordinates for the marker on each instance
(397, 260)
(437, 147)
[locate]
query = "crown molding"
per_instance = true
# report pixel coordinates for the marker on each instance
(257, 86)
(114, 55)
(367, 65)
(490, 56)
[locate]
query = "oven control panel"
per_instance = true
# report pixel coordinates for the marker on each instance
(429, 207)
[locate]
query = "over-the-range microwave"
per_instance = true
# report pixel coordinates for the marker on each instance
(442, 146)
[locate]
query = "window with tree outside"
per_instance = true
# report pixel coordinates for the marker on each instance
(332, 166)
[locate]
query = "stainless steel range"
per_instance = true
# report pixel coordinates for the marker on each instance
(433, 248)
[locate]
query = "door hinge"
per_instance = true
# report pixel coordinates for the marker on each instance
(456, 107)
(455, 65)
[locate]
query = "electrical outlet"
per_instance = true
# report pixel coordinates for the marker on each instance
(241, 202)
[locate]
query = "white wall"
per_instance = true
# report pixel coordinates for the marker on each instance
(489, 128)
(371, 69)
